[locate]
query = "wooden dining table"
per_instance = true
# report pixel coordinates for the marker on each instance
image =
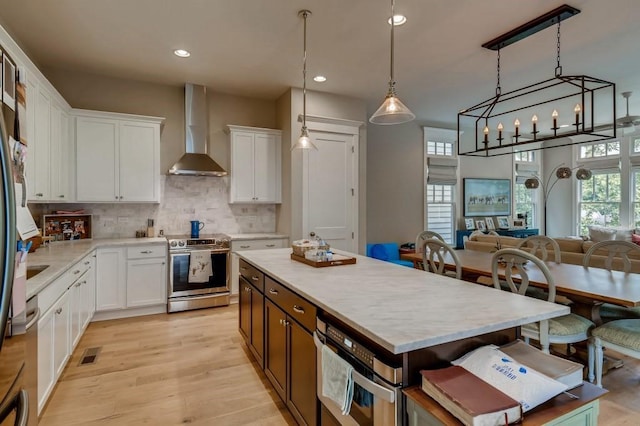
(588, 288)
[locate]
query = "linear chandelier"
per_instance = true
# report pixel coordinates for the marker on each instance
(560, 111)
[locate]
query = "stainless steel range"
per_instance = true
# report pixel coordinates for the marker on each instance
(198, 272)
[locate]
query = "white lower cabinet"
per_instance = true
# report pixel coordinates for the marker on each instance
(67, 305)
(132, 277)
(146, 282)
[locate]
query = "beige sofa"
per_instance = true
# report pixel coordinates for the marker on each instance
(572, 250)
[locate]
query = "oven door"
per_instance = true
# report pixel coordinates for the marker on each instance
(375, 402)
(179, 285)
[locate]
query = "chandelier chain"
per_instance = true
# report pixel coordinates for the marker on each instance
(498, 89)
(558, 67)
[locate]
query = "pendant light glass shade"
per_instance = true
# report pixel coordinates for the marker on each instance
(392, 110)
(304, 141)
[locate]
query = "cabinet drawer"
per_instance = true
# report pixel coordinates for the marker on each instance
(295, 306)
(53, 291)
(259, 244)
(252, 275)
(141, 252)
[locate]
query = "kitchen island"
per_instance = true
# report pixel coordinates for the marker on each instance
(404, 317)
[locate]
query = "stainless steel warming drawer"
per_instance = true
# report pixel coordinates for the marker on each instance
(298, 308)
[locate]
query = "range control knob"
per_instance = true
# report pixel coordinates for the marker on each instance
(181, 243)
(173, 243)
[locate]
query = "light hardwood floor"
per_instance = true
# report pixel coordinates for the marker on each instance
(193, 367)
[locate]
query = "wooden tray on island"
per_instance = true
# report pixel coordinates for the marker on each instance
(337, 260)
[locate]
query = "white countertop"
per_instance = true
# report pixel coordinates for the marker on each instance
(242, 237)
(401, 308)
(61, 255)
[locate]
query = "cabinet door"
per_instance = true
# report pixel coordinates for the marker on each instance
(275, 356)
(244, 300)
(75, 306)
(301, 399)
(46, 374)
(110, 279)
(42, 139)
(61, 336)
(242, 173)
(96, 159)
(30, 167)
(146, 282)
(139, 170)
(266, 164)
(257, 325)
(88, 298)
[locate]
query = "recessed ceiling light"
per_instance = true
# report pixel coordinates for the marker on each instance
(320, 78)
(398, 20)
(182, 53)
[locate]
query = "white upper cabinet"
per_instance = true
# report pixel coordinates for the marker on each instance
(255, 165)
(117, 157)
(48, 156)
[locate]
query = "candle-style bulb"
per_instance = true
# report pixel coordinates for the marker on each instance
(554, 114)
(486, 130)
(516, 123)
(500, 126)
(577, 109)
(534, 119)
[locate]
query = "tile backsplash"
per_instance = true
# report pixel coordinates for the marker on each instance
(184, 198)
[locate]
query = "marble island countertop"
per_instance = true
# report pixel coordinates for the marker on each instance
(60, 256)
(400, 308)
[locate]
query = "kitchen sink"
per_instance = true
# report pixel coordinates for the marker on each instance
(34, 270)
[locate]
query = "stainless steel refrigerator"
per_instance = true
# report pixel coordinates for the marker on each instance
(14, 399)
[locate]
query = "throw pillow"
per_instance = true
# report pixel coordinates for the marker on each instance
(601, 233)
(623, 234)
(378, 251)
(635, 238)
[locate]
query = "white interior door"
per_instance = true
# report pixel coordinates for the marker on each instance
(330, 190)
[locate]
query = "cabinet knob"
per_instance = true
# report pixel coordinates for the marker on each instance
(273, 291)
(297, 309)
(271, 245)
(60, 196)
(163, 263)
(245, 246)
(76, 272)
(116, 197)
(146, 251)
(285, 323)
(121, 197)
(242, 268)
(254, 278)
(87, 262)
(39, 194)
(58, 311)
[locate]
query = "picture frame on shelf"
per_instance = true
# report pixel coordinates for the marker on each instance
(517, 224)
(481, 225)
(469, 224)
(503, 222)
(490, 224)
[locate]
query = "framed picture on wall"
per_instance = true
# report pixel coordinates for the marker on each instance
(486, 197)
(481, 225)
(469, 224)
(490, 225)
(503, 222)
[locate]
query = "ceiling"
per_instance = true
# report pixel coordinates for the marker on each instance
(254, 47)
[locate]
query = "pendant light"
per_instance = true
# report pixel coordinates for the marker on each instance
(392, 110)
(304, 141)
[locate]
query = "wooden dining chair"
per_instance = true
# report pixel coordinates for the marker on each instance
(615, 252)
(622, 336)
(540, 245)
(433, 252)
(566, 329)
(425, 235)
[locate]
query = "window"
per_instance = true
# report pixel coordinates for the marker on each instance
(440, 210)
(635, 196)
(524, 157)
(525, 203)
(440, 166)
(440, 148)
(600, 150)
(600, 200)
(636, 146)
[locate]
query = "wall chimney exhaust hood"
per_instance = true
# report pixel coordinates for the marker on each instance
(196, 162)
